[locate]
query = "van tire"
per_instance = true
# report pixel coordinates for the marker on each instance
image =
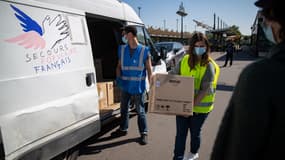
(72, 155)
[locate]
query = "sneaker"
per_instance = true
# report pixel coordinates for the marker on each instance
(143, 140)
(119, 133)
(191, 156)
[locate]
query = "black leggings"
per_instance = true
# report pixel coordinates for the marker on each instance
(229, 56)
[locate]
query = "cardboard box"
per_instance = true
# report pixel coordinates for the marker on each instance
(110, 92)
(102, 93)
(172, 94)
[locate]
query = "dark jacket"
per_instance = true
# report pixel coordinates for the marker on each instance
(253, 127)
(230, 48)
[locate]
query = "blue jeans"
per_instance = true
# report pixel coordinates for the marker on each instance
(194, 123)
(139, 104)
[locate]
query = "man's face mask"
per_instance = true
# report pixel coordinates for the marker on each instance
(268, 32)
(124, 39)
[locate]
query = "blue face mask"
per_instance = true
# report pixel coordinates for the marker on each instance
(268, 33)
(124, 39)
(199, 51)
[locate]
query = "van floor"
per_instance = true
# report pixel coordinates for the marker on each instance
(109, 111)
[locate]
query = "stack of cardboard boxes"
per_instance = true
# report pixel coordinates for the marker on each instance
(109, 95)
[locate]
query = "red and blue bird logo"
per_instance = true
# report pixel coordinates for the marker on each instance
(36, 36)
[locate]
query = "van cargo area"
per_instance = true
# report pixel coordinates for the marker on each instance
(105, 38)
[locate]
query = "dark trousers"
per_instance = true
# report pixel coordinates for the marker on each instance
(194, 123)
(138, 101)
(229, 56)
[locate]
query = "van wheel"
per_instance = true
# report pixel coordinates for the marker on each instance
(71, 155)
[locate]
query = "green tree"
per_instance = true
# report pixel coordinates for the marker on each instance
(233, 30)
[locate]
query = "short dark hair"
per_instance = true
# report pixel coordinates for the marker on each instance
(131, 29)
(264, 3)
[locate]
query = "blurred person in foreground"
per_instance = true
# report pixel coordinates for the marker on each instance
(198, 64)
(253, 126)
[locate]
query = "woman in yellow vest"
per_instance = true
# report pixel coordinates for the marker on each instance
(198, 64)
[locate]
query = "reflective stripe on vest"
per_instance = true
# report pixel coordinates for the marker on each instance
(133, 78)
(210, 91)
(207, 103)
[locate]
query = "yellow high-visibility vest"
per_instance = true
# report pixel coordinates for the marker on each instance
(207, 103)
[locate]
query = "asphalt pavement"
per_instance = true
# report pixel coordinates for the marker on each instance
(161, 134)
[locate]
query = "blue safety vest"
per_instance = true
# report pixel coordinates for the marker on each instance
(133, 70)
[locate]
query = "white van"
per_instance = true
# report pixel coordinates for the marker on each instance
(48, 75)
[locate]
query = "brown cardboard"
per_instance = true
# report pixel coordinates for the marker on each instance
(102, 93)
(172, 94)
(110, 93)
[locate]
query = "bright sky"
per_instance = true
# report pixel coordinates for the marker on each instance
(162, 13)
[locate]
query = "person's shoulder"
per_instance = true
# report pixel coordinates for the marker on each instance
(278, 57)
(256, 66)
(210, 68)
(259, 76)
(145, 47)
(257, 70)
(123, 45)
(185, 56)
(211, 65)
(146, 50)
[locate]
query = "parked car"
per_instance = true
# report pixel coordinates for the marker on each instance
(173, 51)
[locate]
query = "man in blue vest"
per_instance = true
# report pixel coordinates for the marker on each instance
(134, 62)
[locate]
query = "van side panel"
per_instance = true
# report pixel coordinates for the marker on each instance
(45, 61)
(106, 8)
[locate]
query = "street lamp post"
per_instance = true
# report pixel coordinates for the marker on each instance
(139, 8)
(181, 12)
(176, 25)
(224, 40)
